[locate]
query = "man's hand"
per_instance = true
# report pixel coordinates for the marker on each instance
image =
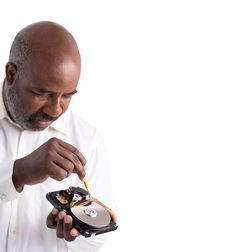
(55, 159)
(63, 223)
(112, 214)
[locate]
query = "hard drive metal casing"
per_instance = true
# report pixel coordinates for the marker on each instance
(65, 200)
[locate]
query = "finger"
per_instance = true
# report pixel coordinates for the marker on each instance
(74, 232)
(112, 214)
(80, 157)
(80, 171)
(55, 143)
(56, 172)
(67, 227)
(74, 157)
(64, 163)
(78, 168)
(74, 150)
(85, 168)
(52, 218)
(59, 226)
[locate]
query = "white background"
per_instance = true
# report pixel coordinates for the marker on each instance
(167, 85)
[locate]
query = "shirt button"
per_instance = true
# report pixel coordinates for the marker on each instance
(15, 231)
(3, 197)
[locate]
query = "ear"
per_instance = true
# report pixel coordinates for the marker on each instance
(11, 73)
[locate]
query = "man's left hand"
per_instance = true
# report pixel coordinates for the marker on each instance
(63, 225)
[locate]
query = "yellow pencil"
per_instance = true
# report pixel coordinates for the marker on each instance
(86, 184)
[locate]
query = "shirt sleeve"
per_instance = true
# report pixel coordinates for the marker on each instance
(7, 189)
(99, 180)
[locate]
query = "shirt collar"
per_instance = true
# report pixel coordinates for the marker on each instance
(58, 125)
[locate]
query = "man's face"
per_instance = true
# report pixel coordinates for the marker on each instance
(42, 94)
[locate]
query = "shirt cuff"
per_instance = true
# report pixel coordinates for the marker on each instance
(7, 189)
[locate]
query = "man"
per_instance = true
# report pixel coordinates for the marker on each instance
(45, 147)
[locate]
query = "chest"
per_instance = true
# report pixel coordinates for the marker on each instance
(17, 143)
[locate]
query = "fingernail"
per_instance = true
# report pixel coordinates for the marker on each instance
(61, 215)
(67, 220)
(85, 168)
(73, 232)
(54, 211)
(83, 178)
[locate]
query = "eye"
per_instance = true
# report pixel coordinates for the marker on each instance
(65, 96)
(41, 95)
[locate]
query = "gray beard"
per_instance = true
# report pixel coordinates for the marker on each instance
(15, 108)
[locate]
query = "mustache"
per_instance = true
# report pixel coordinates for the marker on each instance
(43, 117)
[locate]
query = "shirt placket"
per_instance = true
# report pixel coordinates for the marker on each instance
(14, 233)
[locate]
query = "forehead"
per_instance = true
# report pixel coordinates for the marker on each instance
(56, 77)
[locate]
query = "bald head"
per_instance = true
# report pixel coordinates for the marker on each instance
(43, 43)
(42, 75)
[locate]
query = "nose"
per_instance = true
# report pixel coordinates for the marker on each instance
(54, 107)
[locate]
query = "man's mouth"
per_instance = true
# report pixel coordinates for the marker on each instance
(43, 123)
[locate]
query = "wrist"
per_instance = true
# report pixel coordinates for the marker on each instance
(17, 176)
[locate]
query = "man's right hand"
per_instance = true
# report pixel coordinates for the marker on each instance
(55, 158)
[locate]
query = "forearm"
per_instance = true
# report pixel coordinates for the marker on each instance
(17, 175)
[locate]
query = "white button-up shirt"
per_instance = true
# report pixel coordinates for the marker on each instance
(23, 215)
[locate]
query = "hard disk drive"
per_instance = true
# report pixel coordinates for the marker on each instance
(89, 217)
